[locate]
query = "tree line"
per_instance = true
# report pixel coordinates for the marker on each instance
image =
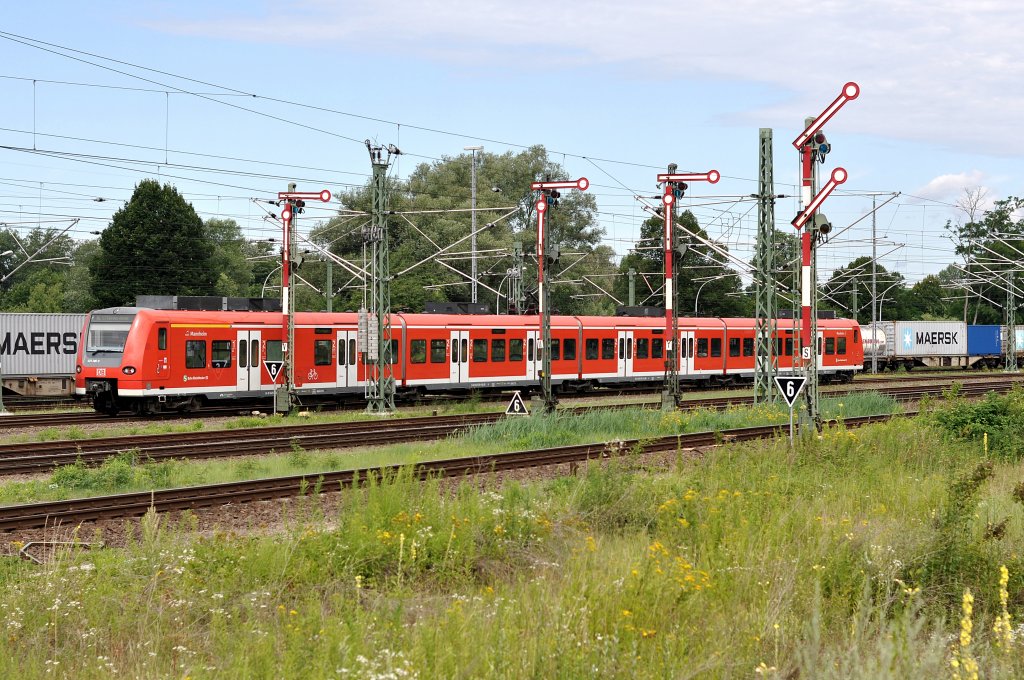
(156, 244)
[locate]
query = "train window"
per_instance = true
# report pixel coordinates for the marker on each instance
(856, 335)
(691, 348)
(569, 349)
(748, 347)
(841, 346)
(716, 347)
(455, 351)
(789, 347)
(220, 354)
(778, 347)
(657, 348)
(393, 352)
(352, 352)
(629, 348)
(274, 352)
(529, 350)
(607, 348)
(556, 349)
(734, 347)
(342, 358)
(243, 353)
(465, 351)
(479, 350)
(195, 354)
(322, 331)
(590, 348)
(161, 338)
(622, 348)
(515, 350)
(321, 352)
(417, 351)
(642, 348)
(438, 348)
(702, 347)
(819, 346)
(830, 345)
(497, 350)
(254, 353)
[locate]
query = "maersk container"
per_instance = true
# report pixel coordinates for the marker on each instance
(39, 345)
(930, 338)
(984, 341)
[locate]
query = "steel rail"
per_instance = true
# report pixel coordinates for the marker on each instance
(62, 513)
(79, 416)
(43, 456)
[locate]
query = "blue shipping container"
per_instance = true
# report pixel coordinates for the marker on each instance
(983, 341)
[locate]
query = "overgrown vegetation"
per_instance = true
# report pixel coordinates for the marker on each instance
(755, 561)
(997, 420)
(130, 472)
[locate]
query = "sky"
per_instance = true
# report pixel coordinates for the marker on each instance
(230, 101)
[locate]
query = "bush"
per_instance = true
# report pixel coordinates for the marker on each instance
(1000, 416)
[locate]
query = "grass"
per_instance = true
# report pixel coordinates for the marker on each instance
(756, 561)
(469, 406)
(128, 472)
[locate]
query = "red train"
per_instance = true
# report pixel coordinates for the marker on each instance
(151, 360)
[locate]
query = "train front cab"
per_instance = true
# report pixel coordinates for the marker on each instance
(101, 367)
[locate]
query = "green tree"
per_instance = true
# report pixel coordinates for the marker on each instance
(700, 270)
(234, 271)
(990, 243)
(155, 245)
(39, 284)
(78, 295)
(838, 292)
(504, 216)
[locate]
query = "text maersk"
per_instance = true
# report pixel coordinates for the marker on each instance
(938, 338)
(39, 343)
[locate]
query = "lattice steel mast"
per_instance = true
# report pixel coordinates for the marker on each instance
(766, 310)
(1011, 324)
(375, 321)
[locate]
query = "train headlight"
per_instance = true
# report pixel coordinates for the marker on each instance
(128, 370)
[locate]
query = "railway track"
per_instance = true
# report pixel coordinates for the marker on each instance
(71, 512)
(83, 417)
(31, 457)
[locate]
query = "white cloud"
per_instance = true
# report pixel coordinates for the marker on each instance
(944, 72)
(951, 188)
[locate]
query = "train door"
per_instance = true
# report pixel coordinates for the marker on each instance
(347, 359)
(250, 361)
(625, 350)
(163, 353)
(685, 352)
(533, 357)
(459, 356)
(821, 349)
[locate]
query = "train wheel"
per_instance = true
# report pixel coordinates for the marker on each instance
(104, 403)
(190, 406)
(141, 407)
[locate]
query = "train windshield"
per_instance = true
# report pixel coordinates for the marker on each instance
(107, 332)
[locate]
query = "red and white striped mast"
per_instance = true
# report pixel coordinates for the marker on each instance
(292, 200)
(675, 185)
(812, 146)
(549, 198)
